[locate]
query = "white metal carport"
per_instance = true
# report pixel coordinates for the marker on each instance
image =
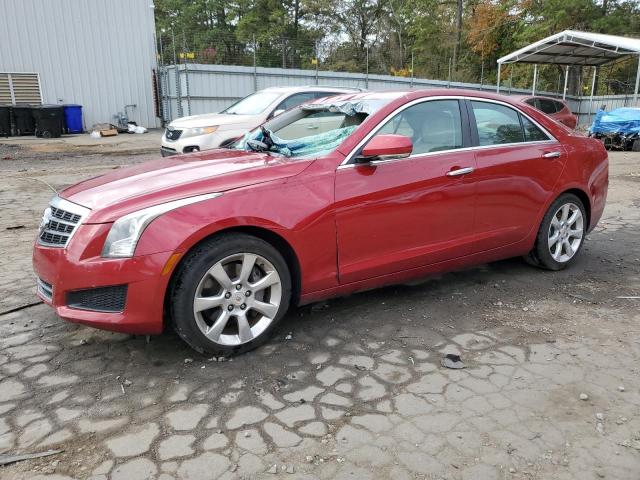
(571, 47)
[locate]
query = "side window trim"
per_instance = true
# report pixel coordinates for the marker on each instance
(349, 160)
(474, 126)
(465, 119)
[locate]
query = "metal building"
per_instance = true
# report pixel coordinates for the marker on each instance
(97, 53)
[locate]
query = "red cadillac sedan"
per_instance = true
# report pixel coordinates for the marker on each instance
(336, 196)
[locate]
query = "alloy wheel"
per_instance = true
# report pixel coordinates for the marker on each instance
(566, 232)
(237, 299)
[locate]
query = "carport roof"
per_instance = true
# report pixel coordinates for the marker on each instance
(572, 47)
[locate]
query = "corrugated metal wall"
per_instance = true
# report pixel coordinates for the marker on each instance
(97, 53)
(211, 88)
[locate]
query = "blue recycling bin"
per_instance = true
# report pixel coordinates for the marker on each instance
(73, 118)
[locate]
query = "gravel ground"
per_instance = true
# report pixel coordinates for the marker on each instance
(351, 388)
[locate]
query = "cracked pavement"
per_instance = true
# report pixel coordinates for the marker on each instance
(350, 388)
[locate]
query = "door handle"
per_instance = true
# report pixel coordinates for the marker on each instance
(312, 127)
(460, 171)
(552, 155)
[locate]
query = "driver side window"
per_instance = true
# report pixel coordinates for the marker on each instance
(432, 126)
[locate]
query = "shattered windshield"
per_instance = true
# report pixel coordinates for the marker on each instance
(310, 130)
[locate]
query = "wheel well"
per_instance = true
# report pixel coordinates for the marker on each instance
(584, 198)
(268, 236)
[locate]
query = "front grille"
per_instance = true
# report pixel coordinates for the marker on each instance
(102, 299)
(66, 216)
(172, 134)
(59, 222)
(45, 289)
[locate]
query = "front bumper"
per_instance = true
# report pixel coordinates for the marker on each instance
(60, 273)
(167, 152)
(189, 144)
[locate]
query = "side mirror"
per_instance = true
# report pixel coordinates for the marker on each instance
(385, 147)
(278, 112)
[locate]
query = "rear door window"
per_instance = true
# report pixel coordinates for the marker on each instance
(532, 133)
(497, 124)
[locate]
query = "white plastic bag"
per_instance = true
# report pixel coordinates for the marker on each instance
(94, 134)
(136, 129)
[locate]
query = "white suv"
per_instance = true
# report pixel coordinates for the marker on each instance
(213, 130)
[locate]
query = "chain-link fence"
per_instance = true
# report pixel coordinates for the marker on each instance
(207, 72)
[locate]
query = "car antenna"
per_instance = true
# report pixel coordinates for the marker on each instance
(42, 181)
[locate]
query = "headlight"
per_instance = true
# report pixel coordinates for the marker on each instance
(194, 132)
(126, 231)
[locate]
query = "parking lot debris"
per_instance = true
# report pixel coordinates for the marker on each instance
(451, 360)
(273, 469)
(6, 459)
(133, 128)
(188, 360)
(621, 388)
(584, 397)
(15, 227)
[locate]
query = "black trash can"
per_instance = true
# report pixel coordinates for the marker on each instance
(23, 119)
(5, 120)
(49, 121)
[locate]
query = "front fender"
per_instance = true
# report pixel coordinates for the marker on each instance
(298, 212)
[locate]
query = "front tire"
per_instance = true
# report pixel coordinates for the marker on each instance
(229, 293)
(561, 234)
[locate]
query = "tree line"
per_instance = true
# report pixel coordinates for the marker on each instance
(441, 39)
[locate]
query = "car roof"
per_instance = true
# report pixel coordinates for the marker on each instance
(528, 97)
(310, 88)
(367, 95)
(413, 94)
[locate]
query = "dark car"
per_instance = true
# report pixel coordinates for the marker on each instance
(557, 109)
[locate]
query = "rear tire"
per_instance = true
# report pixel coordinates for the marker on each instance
(561, 234)
(229, 293)
(635, 146)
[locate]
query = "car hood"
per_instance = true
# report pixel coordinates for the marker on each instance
(132, 188)
(212, 119)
